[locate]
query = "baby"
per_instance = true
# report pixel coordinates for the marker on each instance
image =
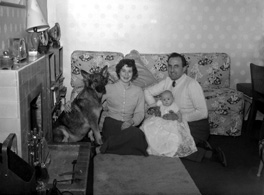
(170, 138)
(167, 105)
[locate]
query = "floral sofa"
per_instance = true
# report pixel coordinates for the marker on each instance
(211, 70)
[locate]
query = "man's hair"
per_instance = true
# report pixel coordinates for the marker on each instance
(177, 55)
(129, 63)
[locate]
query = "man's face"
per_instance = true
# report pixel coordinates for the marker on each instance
(175, 68)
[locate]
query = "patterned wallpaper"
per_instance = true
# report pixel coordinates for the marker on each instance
(152, 26)
(160, 26)
(12, 25)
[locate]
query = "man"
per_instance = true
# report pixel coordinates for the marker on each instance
(190, 98)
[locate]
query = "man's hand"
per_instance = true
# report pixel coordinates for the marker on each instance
(127, 124)
(170, 116)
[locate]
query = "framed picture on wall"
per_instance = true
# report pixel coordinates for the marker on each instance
(13, 3)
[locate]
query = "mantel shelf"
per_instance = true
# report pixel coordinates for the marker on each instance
(12, 5)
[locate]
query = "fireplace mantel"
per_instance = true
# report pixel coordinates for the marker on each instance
(17, 87)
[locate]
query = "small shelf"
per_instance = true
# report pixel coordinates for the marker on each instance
(12, 5)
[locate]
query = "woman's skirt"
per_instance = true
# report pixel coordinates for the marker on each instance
(130, 141)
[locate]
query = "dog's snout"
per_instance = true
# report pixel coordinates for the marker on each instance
(100, 89)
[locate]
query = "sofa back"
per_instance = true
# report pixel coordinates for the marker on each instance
(211, 70)
(91, 61)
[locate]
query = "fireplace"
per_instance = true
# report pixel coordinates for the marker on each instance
(36, 110)
(36, 139)
(23, 104)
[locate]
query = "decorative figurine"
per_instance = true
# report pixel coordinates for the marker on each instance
(44, 42)
(54, 35)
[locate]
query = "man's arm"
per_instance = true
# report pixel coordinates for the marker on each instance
(199, 103)
(154, 90)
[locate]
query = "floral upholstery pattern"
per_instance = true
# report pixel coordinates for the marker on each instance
(211, 70)
(91, 61)
(225, 108)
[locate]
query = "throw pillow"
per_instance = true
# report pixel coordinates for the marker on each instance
(145, 77)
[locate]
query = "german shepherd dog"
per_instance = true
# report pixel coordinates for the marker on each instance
(85, 110)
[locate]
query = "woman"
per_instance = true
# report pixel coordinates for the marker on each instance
(124, 103)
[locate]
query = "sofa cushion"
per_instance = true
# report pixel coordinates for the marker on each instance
(145, 77)
(225, 109)
(156, 64)
(91, 61)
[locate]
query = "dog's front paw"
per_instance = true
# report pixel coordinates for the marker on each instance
(91, 136)
(100, 142)
(98, 138)
(65, 139)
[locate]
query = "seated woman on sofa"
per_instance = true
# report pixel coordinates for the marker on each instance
(124, 106)
(124, 103)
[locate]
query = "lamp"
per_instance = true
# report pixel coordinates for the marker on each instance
(35, 23)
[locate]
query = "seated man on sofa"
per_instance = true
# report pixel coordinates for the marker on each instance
(190, 98)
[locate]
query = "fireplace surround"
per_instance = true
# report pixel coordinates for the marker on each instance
(30, 99)
(32, 91)
(22, 88)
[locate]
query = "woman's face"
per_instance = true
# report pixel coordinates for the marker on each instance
(126, 74)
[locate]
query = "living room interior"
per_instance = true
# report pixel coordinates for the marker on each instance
(234, 27)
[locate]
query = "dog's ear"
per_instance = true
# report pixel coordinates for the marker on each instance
(104, 71)
(86, 76)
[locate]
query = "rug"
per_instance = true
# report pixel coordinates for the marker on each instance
(139, 175)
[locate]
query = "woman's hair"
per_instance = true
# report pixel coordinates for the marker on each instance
(129, 63)
(177, 55)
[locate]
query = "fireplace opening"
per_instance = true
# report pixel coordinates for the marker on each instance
(36, 114)
(36, 137)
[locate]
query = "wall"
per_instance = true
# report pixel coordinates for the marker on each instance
(161, 26)
(13, 23)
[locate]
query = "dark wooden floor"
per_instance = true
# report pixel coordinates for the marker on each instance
(239, 177)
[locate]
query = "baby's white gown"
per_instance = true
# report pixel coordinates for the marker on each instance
(168, 138)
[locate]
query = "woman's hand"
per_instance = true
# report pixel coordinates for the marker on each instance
(170, 116)
(127, 124)
(154, 111)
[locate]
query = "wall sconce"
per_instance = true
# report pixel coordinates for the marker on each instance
(35, 23)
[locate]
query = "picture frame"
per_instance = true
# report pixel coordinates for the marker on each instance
(14, 3)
